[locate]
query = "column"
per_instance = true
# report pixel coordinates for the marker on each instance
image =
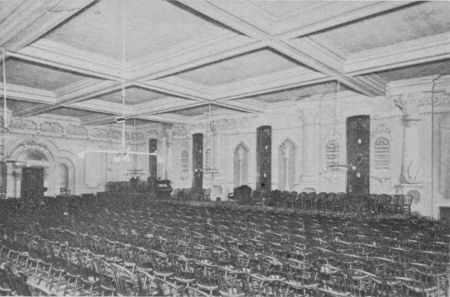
(411, 179)
(11, 180)
(18, 181)
(411, 163)
(169, 163)
(311, 135)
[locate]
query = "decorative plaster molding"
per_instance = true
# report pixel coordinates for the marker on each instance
(51, 127)
(76, 130)
(381, 129)
(411, 104)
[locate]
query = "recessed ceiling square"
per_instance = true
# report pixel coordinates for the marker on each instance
(298, 93)
(18, 105)
(280, 8)
(195, 111)
(133, 95)
(245, 66)
(410, 23)
(73, 112)
(416, 71)
(37, 76)
(150, 26)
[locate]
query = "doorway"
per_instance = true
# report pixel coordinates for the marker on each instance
(32, 182)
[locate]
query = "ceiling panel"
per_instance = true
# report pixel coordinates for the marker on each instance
(416, 71)
(18, 105)
(134, 95)
(38, 76)
(245, 66)
(200, 110)
(73, 112)
(283, 7)
(298, 93)
(402, 25)
(150, 26)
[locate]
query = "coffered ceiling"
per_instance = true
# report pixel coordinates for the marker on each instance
(180, 59)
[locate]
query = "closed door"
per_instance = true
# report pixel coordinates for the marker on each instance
(358, 154)
(32, 182)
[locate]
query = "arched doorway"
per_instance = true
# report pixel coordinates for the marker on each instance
(30, 170)
(34, 165)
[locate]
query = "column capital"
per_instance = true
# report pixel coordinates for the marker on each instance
(409, 104)
(309, 115)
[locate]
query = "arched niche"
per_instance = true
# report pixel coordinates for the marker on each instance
(286, 165)
(240, 164)
(65, 174)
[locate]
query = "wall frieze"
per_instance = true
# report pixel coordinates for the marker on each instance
(413, 103)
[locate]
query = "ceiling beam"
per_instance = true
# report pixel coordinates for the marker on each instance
(57, 55)
(270, 85)
(241, 106)
(27, 21)
(107, 119)
(357, 84)
(418, 51)
(51, 14)
(334, 15)
(194, 57)
(306, 58)
(91, 89)
(167, 109)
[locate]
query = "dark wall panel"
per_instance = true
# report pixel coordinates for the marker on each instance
(264, 158)
(197, 160)
(358, 154)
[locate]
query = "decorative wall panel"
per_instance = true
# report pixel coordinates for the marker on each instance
(358, 154)
(152, 160)
(197, 160)
(264, 158)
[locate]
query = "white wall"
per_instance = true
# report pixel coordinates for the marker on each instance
(311, 122)
(61, 139)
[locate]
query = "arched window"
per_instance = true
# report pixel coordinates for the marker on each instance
(381, 153)
(332, 154)
(208, 158)
(63, 176)
(286, 175)
(241, 165)
(184, 163)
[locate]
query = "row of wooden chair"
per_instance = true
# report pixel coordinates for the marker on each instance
(337, 203)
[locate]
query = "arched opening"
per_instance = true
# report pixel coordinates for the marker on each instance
(241, 165)
(286, 163)
(63, 177)
(31, 172)
(184, 163)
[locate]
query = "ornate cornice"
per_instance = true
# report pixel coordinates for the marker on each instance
(411, 104)
(71, 129)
